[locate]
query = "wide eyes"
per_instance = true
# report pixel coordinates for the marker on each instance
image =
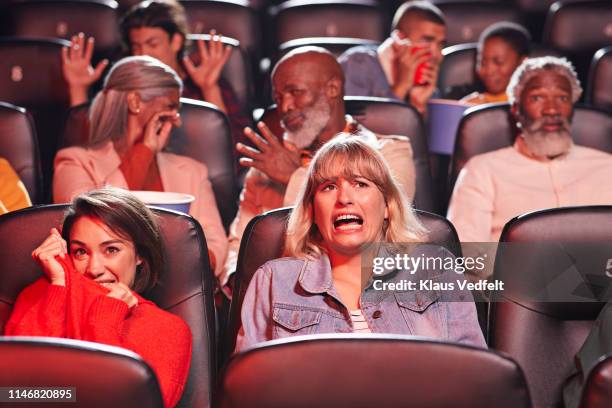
(540, 98)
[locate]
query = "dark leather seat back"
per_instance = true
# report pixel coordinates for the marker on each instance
(235, 19)
(577, 29)
(31, 72)
(204, 136)
(330, 18)
(31, 77)
(465, 20)
(553, 265)
(386, 117)
(489, 127)
(186, 282)
(65, 18)
(237, 70)
(457, 76)
(389, 117)
(335, 45)
(371, 371)
(264, 239)
(599, 92)
(19, 146)
(86, 367)
(597, 391)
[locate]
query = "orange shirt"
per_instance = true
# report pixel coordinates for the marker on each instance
(477, 98)
(138, 157)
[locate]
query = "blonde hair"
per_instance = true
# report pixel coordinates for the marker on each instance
(109, 110)
(354, 156)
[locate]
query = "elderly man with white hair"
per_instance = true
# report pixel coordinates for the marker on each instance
(543, 169)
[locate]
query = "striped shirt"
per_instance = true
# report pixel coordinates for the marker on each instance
(359, 322)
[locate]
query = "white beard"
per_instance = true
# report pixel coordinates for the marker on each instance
(547, 144)
(316, 118)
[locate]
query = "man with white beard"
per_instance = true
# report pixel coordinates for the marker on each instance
(308, 88)
(544, 169)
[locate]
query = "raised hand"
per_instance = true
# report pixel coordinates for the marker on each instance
(45, 255)
(157, 130)
(271, 156)
(212, 59)
(77, 69)
(122, 292)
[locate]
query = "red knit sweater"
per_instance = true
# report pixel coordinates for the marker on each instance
(81, 310)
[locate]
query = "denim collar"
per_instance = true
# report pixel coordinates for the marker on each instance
(316, 276)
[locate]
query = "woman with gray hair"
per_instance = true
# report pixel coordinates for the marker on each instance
(130, 124)
(350, 214)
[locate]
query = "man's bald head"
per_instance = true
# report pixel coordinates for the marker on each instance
(315, 62)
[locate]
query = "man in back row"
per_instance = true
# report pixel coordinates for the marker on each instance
(308, 88)
(543, 169)
(406, 65)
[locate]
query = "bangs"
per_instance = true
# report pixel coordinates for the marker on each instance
(349, 162)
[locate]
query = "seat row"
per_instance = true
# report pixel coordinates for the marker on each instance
(539, 337)
(205, 136)
(576, 29)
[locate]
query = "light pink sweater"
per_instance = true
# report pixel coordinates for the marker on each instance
(494, 187)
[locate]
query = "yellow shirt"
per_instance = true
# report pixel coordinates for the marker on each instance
(13, 194)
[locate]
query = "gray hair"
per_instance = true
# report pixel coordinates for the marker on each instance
(109, 110)
(532, 67)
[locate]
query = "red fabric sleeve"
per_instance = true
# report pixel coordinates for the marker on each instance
(162, 339)
(40, 310)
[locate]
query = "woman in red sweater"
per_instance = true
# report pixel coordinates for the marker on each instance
(108, 252)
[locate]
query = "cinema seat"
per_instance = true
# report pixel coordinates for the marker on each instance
(359, 371)
(597, 391)
(99, 376)
(264, 238)
(465, 20)
(489, 127)
(553, 265)
(599, 92)
(329, 18)
(31, 77)
(204, 136)
(386, 117)
(577, 29)
(65, 18)
(186, 284)
(237, 70)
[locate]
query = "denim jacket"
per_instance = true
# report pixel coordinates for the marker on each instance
(290, 296)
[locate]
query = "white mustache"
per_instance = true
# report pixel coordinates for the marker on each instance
(538, 124)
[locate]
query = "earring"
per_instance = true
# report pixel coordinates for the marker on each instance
(137, 110)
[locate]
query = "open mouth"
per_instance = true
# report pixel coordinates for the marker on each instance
(345, 222)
